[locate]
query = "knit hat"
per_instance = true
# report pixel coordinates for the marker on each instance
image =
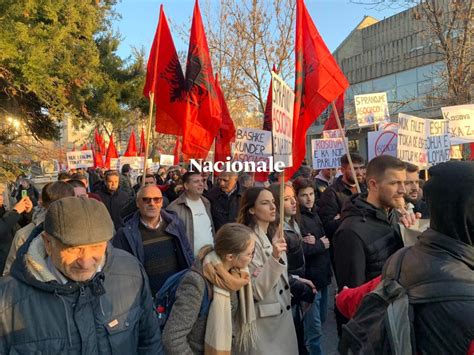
(449, 193)
(78, 221)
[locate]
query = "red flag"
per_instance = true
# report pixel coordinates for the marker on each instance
(227, 130)
(472, 152)
(111, 152)
(331, 122)
(203, 118)
(98, 160)
(141, 152)
(318, 81)
(164, 78)
(84, 147)
(131, 147)
(176, 151)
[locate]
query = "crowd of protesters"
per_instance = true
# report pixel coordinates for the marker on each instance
(84, 258)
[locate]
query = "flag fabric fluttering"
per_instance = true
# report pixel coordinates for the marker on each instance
(98, 159)
(331, 122)
(226, 132)
(203, 118)
(165, 79)
(99, 143)
(111, 152)
(84, 147)
(131, 147)
(141, 152)
(318, 81)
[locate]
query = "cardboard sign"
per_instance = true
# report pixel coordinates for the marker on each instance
(166, 160)
(332, 133)
(461, 123)
(283, 99)
(383, 142)
(252, 145)
(80, 159)
(327, 152)
(371, 108)
(423, 142)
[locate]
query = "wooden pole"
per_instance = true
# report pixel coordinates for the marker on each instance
(282, 202)
(147, 138)
(346, 147)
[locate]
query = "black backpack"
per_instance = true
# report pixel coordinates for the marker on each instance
(383, 324)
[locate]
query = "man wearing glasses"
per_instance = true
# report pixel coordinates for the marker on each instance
(156, 237)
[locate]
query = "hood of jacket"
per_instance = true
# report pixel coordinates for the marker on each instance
(358, 206)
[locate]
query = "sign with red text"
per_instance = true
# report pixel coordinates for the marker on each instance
(283, 98)
(327, 153)
(332, 133)
(461, 123)
(383, 142)
(371, 108)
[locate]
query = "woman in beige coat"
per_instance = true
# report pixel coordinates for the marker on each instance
(275, 329)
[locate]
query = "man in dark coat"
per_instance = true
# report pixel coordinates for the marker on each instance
(112, 196)
(71, 292)
(225, 199)
(156, 237)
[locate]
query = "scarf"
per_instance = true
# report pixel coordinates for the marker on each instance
(218, 336)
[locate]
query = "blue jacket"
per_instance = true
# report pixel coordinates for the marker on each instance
(129, 239)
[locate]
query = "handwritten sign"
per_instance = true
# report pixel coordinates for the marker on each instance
(371, 108)
(252, 145)
(332, 133)
(327, 152)
(283, 99)
(80, 159)
(166, 160)
(461, 123)
(383, 142)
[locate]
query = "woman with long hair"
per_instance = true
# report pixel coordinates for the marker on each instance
(222, 268)
(269, 275)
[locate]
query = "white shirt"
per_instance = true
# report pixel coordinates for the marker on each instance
(201, 224)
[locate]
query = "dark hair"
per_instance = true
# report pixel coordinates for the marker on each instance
(126, 168)
(244, 178)
(78, 176)
(356, 159)
(187, 176)
(412, 168)
(54, 191)
(63, 176)
(302, 183)
(377, 166)
(111, 173)
(247, 202)
(76, 183)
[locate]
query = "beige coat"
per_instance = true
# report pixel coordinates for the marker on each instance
(275, 328)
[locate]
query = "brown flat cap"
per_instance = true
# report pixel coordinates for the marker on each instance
(79, 221)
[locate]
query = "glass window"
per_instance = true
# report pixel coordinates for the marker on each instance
(424, 73)
(384, 83)
(406, 92)
(367, 87)
(406, 77)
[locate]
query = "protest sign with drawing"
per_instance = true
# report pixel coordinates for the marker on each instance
(252, 145)
(283, 99)
(384, 141)
(371, 108)
(461, 123)
(327, 152)
(80, 159)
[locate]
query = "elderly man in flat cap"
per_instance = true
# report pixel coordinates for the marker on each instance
(71, 292)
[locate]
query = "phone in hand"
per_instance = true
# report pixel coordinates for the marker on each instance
(24, 193)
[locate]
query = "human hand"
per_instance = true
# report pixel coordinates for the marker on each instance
(22, 205)
(336, 217)
(28, 204)
(408, 219)
(309, 283)
(278, 243)
(309, 239)
(326, 242)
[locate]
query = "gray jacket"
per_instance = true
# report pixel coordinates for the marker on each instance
(181, 208)
(110, 314)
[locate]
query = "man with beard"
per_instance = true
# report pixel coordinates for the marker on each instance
(369, 231)
(413, 192)
(156, 237)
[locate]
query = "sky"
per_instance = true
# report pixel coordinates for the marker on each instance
(335, 19)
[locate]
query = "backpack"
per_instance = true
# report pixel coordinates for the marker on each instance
(384, 322)
(166, 296)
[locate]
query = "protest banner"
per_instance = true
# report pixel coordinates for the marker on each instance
(383, 142)
(252, 145)
(80, 159)
(461, 123)
(115, 164)
(327, 152)
(371, 108)
(283, 99)
(135, 163)
(332, 133)
(166, 160)
(423, 142)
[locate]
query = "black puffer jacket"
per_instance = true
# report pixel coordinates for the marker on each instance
(364, 241)
(445, 268)
(295, 253)
(111, 314)
(318, 262)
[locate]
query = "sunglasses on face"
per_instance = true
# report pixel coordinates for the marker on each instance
(155, 200)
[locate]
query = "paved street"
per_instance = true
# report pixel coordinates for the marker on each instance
(330, 338)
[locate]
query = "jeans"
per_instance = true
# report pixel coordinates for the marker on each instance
(313, 321)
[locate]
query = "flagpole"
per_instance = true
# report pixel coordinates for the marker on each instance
(346, 147)
(147, 138)
(282, 202)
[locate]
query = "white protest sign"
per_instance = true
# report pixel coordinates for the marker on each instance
(134, 162)
(166, 160)
(114, 164)
(456, 152)
(461, 123)
(423, 142)
(332, 133)
(283, 99)
(371, 108)
(383, 142)
(252, 145)
(80, 159)
(327, 152)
